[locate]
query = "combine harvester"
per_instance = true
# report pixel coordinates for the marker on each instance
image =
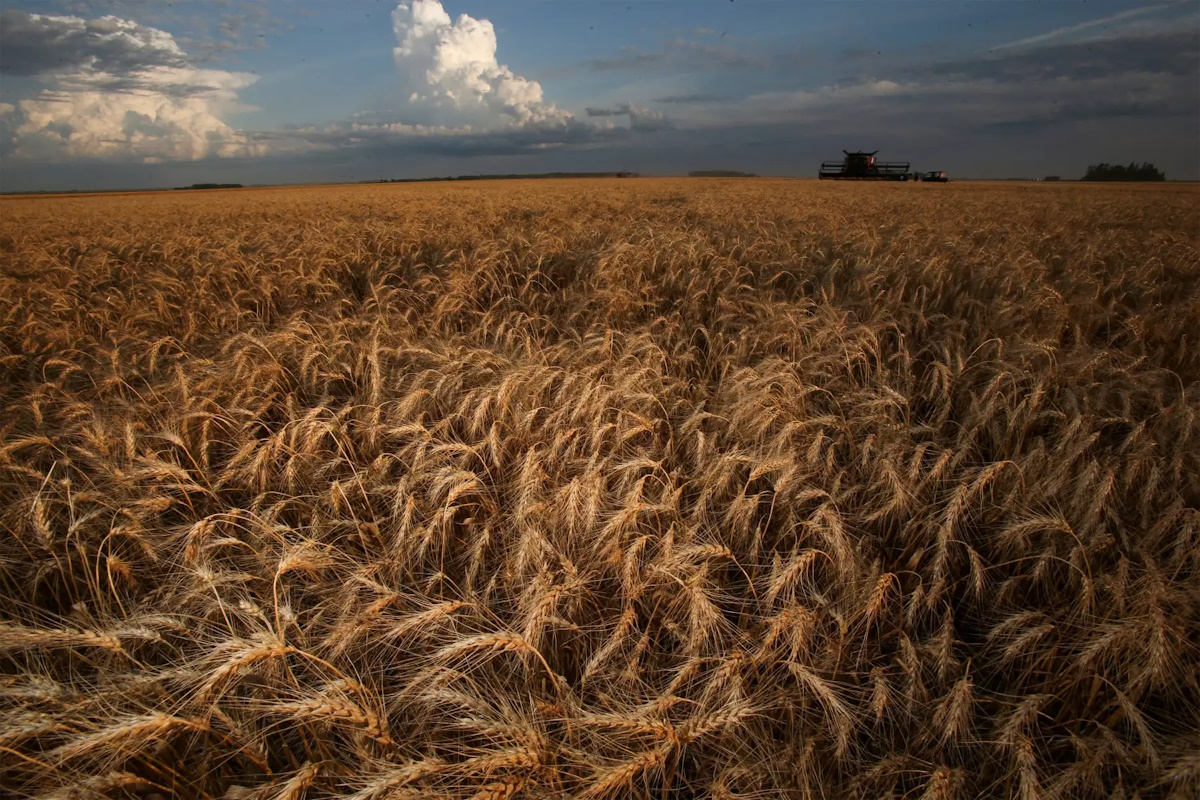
(863, 167)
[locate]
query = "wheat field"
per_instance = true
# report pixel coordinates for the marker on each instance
(601, 489)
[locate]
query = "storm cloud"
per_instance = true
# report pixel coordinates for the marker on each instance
(113, 88)
(687, 99)
(38, 44)
(640, 119)
(1175, 54)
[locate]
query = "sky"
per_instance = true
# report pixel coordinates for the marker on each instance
(133, 94)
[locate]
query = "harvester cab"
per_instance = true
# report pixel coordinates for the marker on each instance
(859, 162)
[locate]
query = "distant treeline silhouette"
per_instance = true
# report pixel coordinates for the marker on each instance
(720, 173)
(1119, 172)
(510, 176)
(210, 186)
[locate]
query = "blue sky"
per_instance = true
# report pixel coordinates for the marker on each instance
(128, 94)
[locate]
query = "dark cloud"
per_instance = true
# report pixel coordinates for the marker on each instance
(710, 54)
(1166, 54)
(1147, 79)
(231, 24)
(247, 30)
(684, 54)
(629, 58)
(33, 44)
(885, 110)
(687, 99)
(1093, 110)
(385, 139)
(640, 119)
(647, 120)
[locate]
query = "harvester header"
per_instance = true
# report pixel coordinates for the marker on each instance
(862, 166)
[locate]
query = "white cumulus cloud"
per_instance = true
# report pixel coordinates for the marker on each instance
(450, 70)
(116, 89)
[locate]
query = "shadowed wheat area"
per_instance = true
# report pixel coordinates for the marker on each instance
(602, 489)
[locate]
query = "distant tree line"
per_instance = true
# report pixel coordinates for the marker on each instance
(510, 176)
(1119, 172)
(211, 186)
(720, 173)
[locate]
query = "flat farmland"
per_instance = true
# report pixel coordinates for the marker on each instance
(647, 488)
